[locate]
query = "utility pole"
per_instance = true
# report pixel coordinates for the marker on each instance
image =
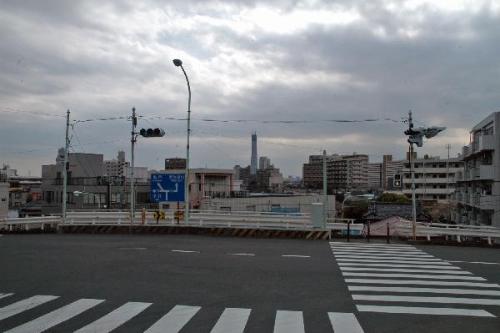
(448, 147)
(132, 179)
(65, 169)
(325, 190)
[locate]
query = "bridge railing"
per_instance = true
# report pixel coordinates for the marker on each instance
(458, 231)
(29, 223)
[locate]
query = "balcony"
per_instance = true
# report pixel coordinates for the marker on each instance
(486, 172)
(486, 142)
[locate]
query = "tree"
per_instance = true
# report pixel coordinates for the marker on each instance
(393, 198)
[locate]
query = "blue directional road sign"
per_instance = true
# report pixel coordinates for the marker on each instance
(167, 187)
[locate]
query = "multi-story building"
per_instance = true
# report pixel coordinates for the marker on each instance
(434, 178)
(175, 163)
(478, 190)
(344, 173)
(312, 172)
(206, 184)
(116, 167)
(374, 176)
(269, 180)
(390, 169)
(264, 162)
(87, 185)
(4, 199)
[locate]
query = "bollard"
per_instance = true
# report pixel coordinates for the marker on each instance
(348, 230)
(388, 234)
(368, 235)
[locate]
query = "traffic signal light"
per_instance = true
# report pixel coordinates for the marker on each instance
(152, 132)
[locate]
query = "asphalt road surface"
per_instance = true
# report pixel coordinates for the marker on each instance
(181, 283)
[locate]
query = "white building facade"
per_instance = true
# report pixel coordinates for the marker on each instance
(478, 194)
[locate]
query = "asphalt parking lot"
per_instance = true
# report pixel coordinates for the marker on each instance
(226, 284)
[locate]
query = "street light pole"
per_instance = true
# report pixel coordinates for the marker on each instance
(65, 170)
(325, 190)
(178, 63)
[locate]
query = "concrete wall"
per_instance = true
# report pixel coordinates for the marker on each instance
(268, 203)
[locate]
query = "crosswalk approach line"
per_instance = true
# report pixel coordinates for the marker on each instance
(174, 320)
(24, 305)
(344, 323)
(232, 320)
(424, 282)
(378, 254)
(394, 261)
(424, 310)
(426, 299)
(116, 318)
(487, 292)
(56, 317)
(420, 276)
(356, 256)
(354, 264)
(289, 322)
(403, 270)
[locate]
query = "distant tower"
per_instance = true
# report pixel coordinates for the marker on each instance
(253, 161)
(121, 156)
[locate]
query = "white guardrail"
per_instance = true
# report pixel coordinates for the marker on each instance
(30, 223)
(214, 219)
(449, 230)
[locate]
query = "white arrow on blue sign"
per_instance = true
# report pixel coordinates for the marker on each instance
(167, 187)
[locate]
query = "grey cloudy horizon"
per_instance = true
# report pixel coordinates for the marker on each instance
(255, 60)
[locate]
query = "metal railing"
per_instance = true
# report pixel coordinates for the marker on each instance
(30, 223)
(458, 231)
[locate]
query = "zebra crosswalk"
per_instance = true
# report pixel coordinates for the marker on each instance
(231, 320)
(379, 276)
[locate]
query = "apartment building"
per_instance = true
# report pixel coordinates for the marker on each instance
(434, 178)
(374, 176)
(344, 172)
(478, 189)
(116, 167)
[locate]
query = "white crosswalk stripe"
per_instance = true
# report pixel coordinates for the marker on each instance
(115, 318)
(56, 317)
(289, 322)
(380, 274)
(5, 295)
(344, 323)
(174, 320)
(231, 320)
(24, 305)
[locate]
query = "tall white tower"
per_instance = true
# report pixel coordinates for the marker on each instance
(253, 161)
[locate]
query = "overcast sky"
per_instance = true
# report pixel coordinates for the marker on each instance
(269, 60)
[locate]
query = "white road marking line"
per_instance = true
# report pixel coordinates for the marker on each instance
(375, 247)
(132, 248)
(289, 322)
(395, 261)
(426, 290)
(424, 310)
(475, 262)
(57, 316)
(403, 270)
(345, 264)
(419, 276)
(5, 295)
(232, 320)
(344, 323)
(295, 256)
(115, 318)
(424, 282)
(242, 254)
(380, 257)
(174, 320)
(24, 305)
(426, 299)
(185, 251)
